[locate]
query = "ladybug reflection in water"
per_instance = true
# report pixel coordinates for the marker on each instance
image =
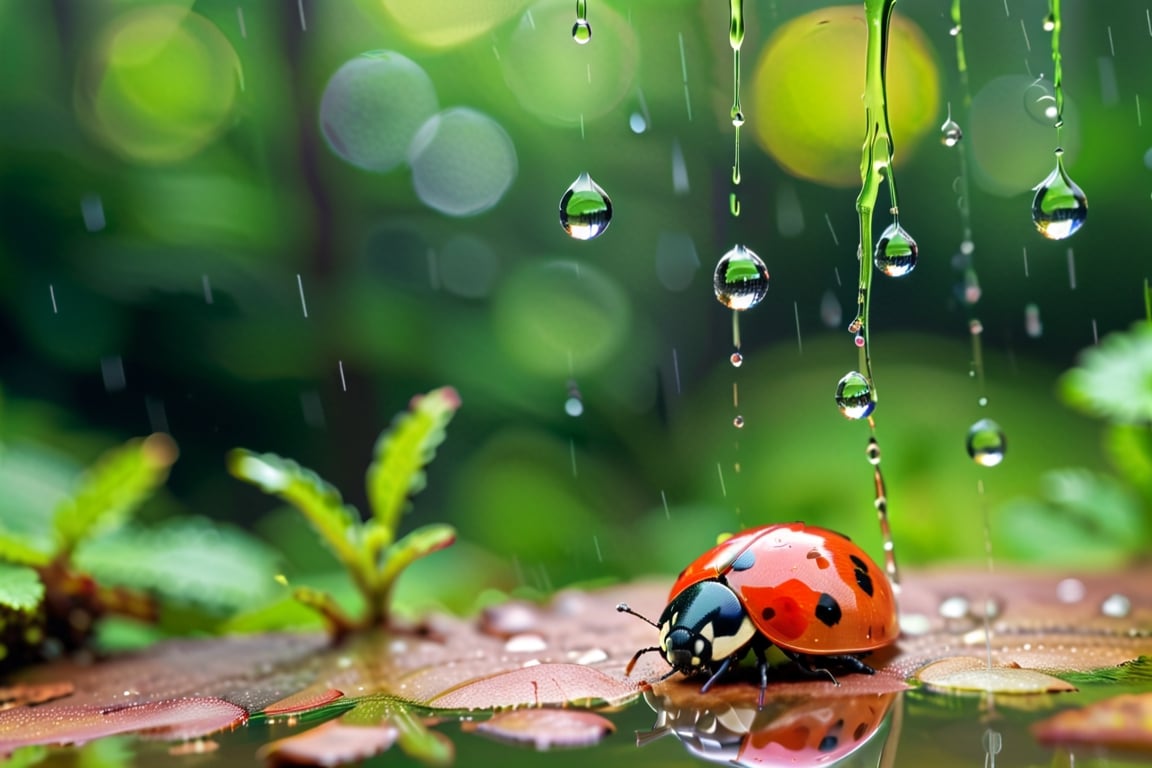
(811, 732)
(809, 591)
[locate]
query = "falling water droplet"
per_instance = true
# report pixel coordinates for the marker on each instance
(1116, 606)
(896, 252)
(1049, 22)
(950, 133)
(737, 359)
(1060, 207)
(1032, 324)
(738, 422)
(585, 209)
(741, 279)
(854, 396)
(986, 443)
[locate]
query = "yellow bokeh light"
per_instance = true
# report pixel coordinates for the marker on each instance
(159, 85)
(445, 23)
(807, 110)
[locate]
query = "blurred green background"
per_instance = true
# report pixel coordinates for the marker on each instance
(205, 231)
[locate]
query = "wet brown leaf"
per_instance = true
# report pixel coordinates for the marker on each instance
(22, 695)
(545, 728)
(1121, 722)
(332, 743)
(540, 685)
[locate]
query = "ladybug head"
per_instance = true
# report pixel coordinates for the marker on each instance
(703, 625)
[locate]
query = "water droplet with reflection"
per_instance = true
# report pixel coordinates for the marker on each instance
(1060, 207)
(585, 209)
(741, 279)
(896, 251)
(986, 443)
(854, 396)
(737, 359)
(582, 30)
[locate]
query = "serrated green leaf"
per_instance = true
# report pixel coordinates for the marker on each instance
(191, 560)
(21, 589)
(1114, 379)
(113, 488)
(337, 523)
(402, 452)
(417, 544)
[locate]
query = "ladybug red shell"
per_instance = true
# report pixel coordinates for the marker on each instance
(807, 589)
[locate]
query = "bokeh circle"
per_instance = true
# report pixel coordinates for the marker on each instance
(462, 162)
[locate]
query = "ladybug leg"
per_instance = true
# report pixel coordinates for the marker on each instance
(716, 675)
(762, 666)
(815, 666)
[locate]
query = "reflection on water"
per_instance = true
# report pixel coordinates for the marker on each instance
(808, 732)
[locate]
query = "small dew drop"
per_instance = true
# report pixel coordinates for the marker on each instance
(1040, 102)
(1060, 207)
(950, 133)
(738, 422)
(1049, 23)
(955, 607)
(955, 31)
(526, 643)
(737, 117)
(582, 31)
(585, 209)
(574, 407)
(986, 443)
(637, 123)
(858, 340)
(873, 452)
(975, 327)
(896, 252)
(1116, 606)
(1070, 590)
(854, 396)
(741, 279)
(737, 359)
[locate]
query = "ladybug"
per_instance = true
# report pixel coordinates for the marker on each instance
(809, 591)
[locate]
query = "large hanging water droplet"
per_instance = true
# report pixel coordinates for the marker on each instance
(896, 251)
(854, 396)
(986, 443)
(950, 133)
(585, 209)
(582, 31)
(1060, 207)
(741, 279)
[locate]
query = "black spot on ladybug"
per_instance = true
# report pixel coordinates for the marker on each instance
(828, 743)
(746, 560)
(864, 581)
(828, 610)
(860, 731)
(860, 564)
(768, 614)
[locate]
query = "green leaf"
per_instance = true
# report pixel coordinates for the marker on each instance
(1114, 379)
(337, 523)
(20, 588)
(113, 488)
(16, 549)
(402, 452)
(190, 560)
(420, 542)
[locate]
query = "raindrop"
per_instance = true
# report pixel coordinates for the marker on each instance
(1116, 606)
(585, 209)
(896, 252)
(986, 443)
(1070, 590)
(1060, 207)
(582, 30)
(738, 422)
(574, 405)
(737, 359)
(955, 607)
(1040, 103)
(950, 133)
(1049, 22)
(92, 209)
(831, 313)
(1032, 324)
(741, 279)
(854, 396)
(637, 123)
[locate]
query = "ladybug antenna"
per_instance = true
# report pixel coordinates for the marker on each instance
(623, 608)
(637, 655)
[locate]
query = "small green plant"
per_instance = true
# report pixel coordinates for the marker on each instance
(367, 549)
(45, 599)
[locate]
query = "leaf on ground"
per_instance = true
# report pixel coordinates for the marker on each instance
(22, 695)
(1120, 722)
(545, 728)
(539, 685)
(111, 489)
(21, 589)
(308, 699)
(968, 673)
